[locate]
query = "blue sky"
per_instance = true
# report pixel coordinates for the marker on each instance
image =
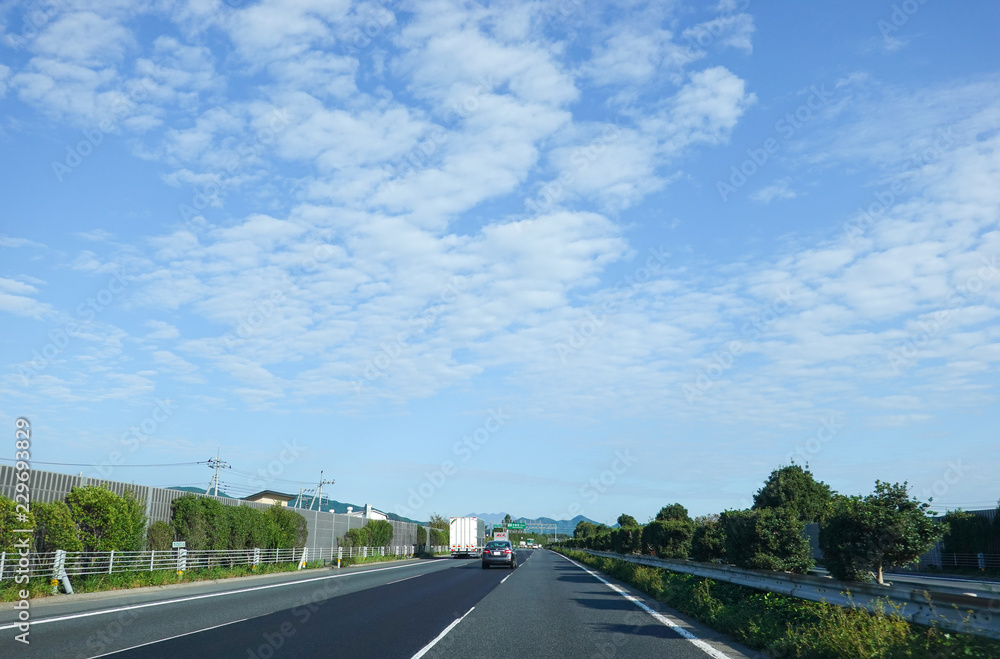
(548, 258)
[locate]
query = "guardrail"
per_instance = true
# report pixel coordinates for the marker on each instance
(963, 613)
(60, 566)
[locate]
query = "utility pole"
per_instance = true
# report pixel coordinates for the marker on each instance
(217, 464)
(319, 491)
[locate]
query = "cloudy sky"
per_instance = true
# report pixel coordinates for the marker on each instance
(541, 257)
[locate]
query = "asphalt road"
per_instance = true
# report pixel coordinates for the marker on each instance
(548, 607)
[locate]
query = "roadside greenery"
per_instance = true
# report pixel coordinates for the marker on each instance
(861, 537)
(787, 627)
(871, 534)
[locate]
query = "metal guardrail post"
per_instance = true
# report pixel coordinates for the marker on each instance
(256, 557)
(305, 555)
(340, 555)
(181, 561)
(111, 561)
(59, 573)
(3, 562)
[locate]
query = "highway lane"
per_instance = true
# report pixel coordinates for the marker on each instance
(394, 619)
(90, 625)
(548, 607)
(552, 608)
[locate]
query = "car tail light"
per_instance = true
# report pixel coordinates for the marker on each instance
(506, 551)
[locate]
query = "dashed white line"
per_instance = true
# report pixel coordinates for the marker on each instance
(424, 650)
(700, 644)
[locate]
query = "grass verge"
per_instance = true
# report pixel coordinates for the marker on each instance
(785, 626)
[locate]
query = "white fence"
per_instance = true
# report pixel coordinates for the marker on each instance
(62, 564)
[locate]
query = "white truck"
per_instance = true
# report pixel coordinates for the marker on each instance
(467, 536)
(501, 535)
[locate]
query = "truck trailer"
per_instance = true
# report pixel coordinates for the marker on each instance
(467, 536)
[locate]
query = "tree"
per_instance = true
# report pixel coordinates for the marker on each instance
(380, 532)
(766, 539)
(968, 533)
(795, 489)
(159, 536)
(246, 526)
(285, 527)
(54, 527)
(627, 521)
(106, 521)
(668, 538)
(9, 521)
(506, 519)
(584, 529)
(673, 511)
(880, 531)
(709, 540)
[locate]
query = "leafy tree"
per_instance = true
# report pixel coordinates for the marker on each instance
(880, 531)
(506, 519)
(442, 527)
(709, 540)
(360, 537)
(668, 538)
(160, 536)
(626, 539)
(106, 521)
(627, 521)
(968, 533)
(794, 488)
(247, 527)
(766, 539)
(54, 527)
(9, 521)
(674, 511)
(187, 516)
(285, 527)
(380, 532)
(584, 529)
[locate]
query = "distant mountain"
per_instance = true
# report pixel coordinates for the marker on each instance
(563, 526)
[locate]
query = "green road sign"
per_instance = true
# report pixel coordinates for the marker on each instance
(498, 526)
(515, 525)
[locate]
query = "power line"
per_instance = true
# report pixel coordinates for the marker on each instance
(106, 464)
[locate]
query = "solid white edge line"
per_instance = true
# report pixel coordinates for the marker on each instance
(685, 634)
(424, 650)
(179, 600)
(169, 638)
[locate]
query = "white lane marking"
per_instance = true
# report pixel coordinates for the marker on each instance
(169, 638)
(507, 577)
(700, 644)
(403, 579)
(132, 607)
(424, 650)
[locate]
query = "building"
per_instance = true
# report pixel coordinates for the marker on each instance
(270, 497)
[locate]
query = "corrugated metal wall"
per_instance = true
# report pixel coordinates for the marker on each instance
(325, 529)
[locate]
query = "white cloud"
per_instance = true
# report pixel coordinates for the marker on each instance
(777, 190)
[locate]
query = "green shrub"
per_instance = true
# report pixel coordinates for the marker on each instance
(9, 522)
(285, 527)
(709, 540)
(159, 537)
(106, 521)
(380, 532)
(670, 538)
(766, 539)
(54, 527)
(247, 527)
